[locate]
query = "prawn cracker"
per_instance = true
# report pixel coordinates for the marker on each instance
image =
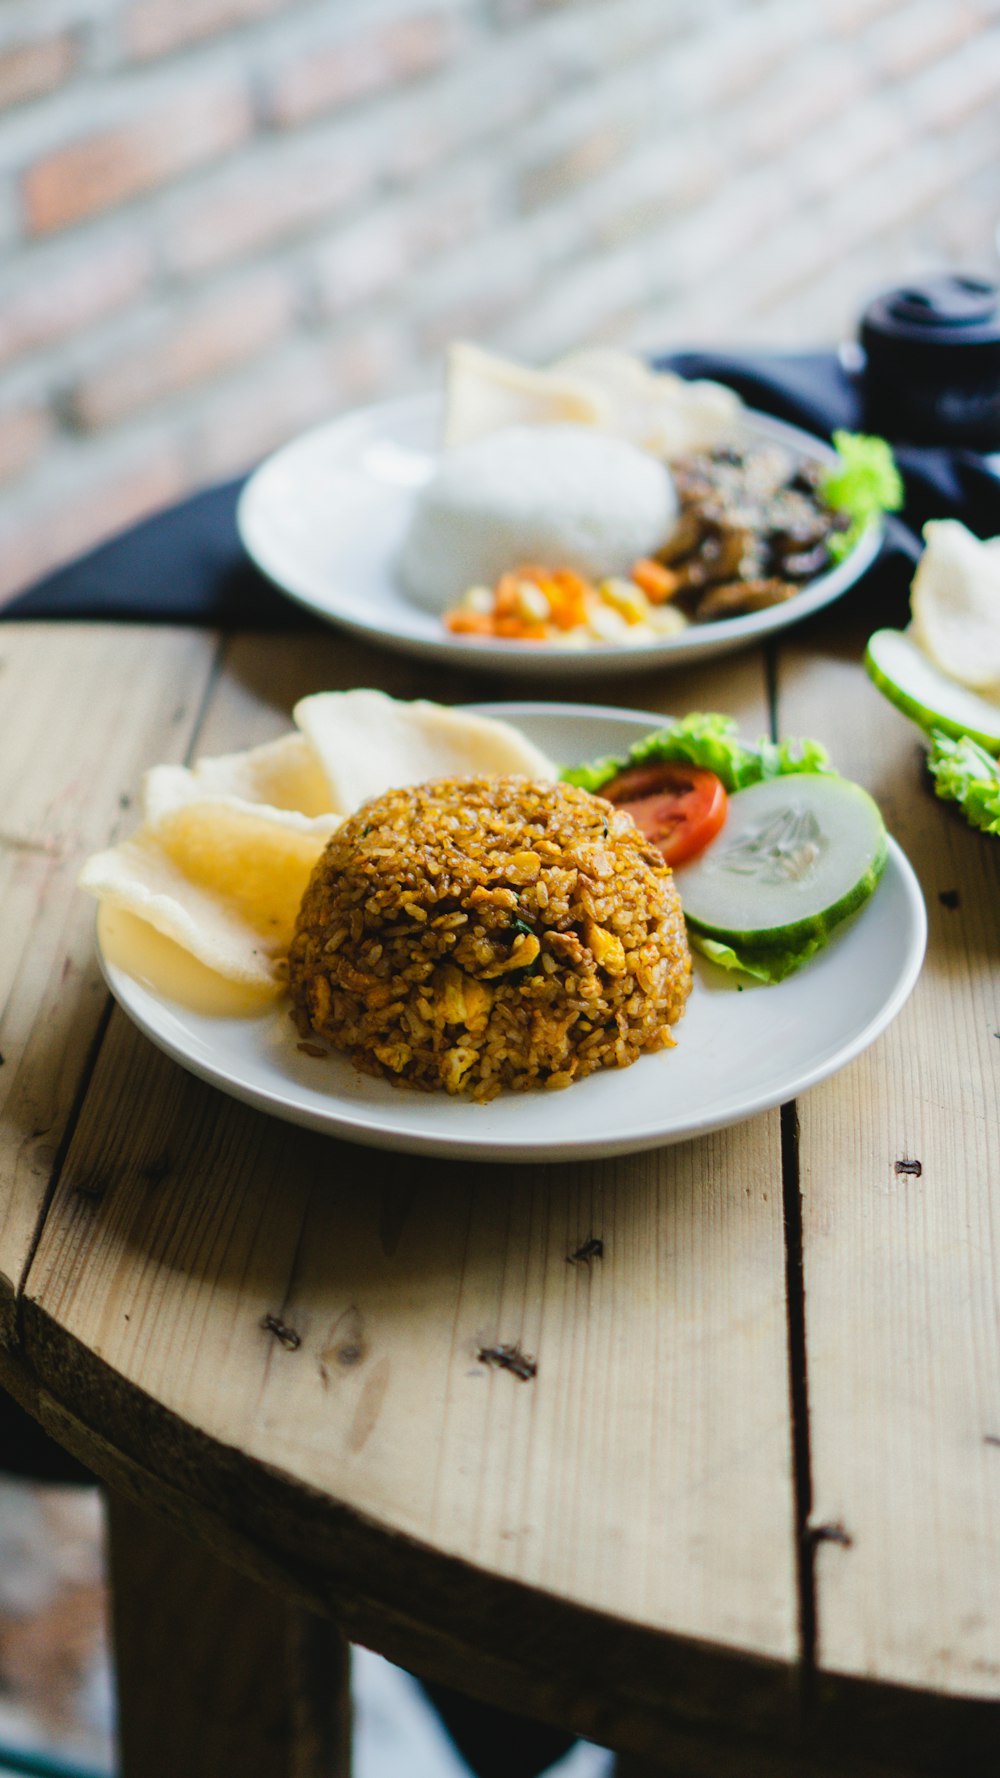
(370, 743)
(221, 877)
(281, 774)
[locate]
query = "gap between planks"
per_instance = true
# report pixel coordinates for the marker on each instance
(795, 1312)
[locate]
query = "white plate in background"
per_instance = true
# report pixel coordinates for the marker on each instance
(325, 516)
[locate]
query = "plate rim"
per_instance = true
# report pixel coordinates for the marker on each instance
(405, 1138)
(505, 654)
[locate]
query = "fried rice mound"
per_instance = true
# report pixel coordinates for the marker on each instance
(478, 933)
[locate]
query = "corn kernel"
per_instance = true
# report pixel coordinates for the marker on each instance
(604, 622)
(626, 597)
(667, 620)
(478, 598)
(532, 604)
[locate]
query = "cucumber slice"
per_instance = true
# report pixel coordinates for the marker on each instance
(796, 856)
(925, 694)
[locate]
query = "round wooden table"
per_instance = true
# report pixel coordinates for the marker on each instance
(744, 1517)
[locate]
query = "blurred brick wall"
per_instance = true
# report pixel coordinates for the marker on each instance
(221, 220)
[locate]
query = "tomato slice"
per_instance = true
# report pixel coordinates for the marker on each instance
(679, 807)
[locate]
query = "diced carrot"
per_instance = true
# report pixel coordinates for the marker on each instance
(571, 581)
(505, 597)
(569, 604)
(568, 614)
(470, 623)
(657, 582)
(516, 629)
(565, 590)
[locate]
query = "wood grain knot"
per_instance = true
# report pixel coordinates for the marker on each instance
(913, 1168)
(345, 1345)
(369, 1405)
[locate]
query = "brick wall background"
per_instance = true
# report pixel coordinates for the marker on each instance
(222, 220)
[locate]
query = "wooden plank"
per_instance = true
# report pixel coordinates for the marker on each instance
(265, 676)
(644, 1473)
(214, 1673)
(902, 1263)
(85, 709)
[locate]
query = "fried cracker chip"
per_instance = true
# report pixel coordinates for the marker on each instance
(282, 774)
(227, 846)
(220, 876)
(369, 743)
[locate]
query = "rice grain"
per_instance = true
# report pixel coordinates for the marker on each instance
(479, 933)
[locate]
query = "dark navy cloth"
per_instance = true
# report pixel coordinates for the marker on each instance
(187, 565)
(182, 566)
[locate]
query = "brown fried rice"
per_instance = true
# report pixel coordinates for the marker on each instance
(479, 933)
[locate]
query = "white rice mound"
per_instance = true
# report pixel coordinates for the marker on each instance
(564, 496)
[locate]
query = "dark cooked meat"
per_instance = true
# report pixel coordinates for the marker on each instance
(753, 527)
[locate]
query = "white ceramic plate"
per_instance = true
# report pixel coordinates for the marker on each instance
(737, 1052)
(324, 519)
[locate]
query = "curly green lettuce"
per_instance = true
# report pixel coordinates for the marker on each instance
(863, 483)
(710, 739)
(965, 773)
(707, 739)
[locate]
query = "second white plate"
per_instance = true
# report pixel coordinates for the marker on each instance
(325, 516)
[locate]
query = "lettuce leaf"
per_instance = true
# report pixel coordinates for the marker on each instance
(709, 740)
(595, 774)
(965, 773)
(863, 483)
(763, 966)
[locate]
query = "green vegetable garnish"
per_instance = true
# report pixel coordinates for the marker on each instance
(763, 966)
(864, 483)
(710, 740)
(965, 773)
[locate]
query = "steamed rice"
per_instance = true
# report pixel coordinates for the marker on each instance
(565, 495)
(479, 933)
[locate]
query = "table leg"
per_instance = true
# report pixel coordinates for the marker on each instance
(216, 1673)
